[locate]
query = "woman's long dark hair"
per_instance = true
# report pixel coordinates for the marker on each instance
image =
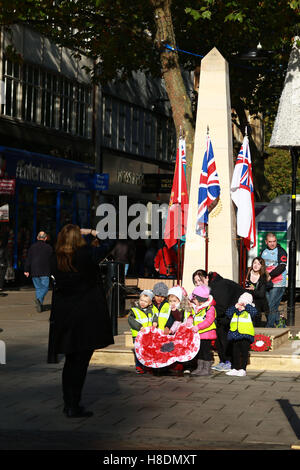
(69, 240)
(263, 271)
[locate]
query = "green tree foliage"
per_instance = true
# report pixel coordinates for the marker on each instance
(278, 169)
(121, 36)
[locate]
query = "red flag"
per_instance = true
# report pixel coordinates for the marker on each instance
(178, 206)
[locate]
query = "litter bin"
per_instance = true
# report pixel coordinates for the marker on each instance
(113, 276)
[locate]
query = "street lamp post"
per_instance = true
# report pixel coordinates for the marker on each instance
(292, 244)
(286, 135)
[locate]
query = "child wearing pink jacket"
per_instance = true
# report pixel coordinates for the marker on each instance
(204, 323)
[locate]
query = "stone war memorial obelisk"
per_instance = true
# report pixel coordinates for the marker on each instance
(213, 112)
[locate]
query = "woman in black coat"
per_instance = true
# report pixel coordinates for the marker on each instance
(225, 293)
(258, 282)
(79, 316)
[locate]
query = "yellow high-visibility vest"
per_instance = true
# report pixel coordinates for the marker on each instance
(242, 323)
(162, 314)
(200, 317)
(142, 318)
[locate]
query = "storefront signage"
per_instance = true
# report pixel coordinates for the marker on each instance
(130, 177)
(157, 183)
(45, 170)
(37, 174)
(7, 186)
(100, 181)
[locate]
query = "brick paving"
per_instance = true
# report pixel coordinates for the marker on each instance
(259, 411)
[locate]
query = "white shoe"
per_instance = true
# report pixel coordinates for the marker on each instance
(241, 372)
(232, 372)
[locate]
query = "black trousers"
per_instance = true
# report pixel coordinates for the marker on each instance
(240, 350)
(2, 275)
(205, 352)
(73, 376)
(223, 346)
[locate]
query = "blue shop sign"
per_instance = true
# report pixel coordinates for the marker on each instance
(96, 181)
(272, 226)
(100, 181)
(46, 171)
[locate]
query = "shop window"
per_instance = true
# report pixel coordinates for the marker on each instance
(46, 213)
(30, 93)
(11, 78)
(36, 95)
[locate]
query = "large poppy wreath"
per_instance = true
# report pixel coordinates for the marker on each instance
(155, 349)
(261, 343)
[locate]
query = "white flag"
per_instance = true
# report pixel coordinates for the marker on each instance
(242, 194)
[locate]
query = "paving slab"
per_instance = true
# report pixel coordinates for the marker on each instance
(259, 411)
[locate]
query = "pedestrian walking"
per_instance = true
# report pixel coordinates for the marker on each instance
(37, 265)
(79, 315)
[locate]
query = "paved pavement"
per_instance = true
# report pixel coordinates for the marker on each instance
(258, 412)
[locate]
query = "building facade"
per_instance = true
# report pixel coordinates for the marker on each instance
(66, 145)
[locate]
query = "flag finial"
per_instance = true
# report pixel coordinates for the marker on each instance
(207, 130)
(181, 132)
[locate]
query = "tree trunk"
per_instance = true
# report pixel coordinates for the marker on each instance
(180, 101)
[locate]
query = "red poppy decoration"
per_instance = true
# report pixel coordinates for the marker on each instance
(155, 349)
(261, 343)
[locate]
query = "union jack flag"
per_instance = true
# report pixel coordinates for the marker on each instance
(242, 194)
(209, 189)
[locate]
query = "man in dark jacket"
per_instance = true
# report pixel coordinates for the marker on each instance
(37, 265)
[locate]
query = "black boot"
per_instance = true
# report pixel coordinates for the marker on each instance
(77, 412)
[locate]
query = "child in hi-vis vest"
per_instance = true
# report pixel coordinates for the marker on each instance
(241, 333)
(140, 317)
(204, 324)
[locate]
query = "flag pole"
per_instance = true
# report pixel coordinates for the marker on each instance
(206, 225)
(206, 247)
(240, 259)
(178, 262)
(179, 200)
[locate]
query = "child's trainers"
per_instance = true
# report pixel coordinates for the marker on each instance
(227, 365)
(140, 370)
(219, 366)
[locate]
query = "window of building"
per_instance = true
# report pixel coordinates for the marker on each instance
(38, 96)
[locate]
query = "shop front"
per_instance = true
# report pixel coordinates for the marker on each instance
(40, 192)
(135, 187)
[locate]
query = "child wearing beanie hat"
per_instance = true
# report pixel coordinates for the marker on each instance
(179, 308)
(179, 312)
(140, 317)
(241, 333)
(204, 324)
(160, 304)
